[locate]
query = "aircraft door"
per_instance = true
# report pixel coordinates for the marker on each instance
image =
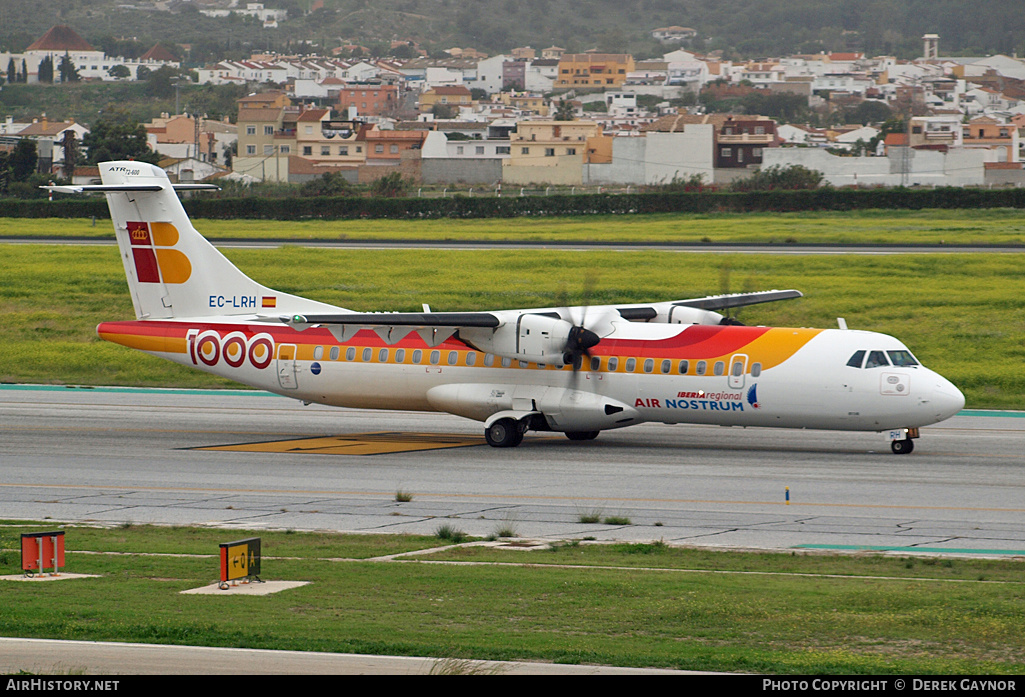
(738, 368)
(287, 368)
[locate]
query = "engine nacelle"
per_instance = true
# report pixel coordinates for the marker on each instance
(668, 313)
(529, 337)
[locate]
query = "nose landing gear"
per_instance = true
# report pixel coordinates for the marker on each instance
(901, 442)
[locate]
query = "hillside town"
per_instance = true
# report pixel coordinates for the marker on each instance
(549, 118)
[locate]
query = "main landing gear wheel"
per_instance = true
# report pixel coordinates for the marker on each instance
(504, 433)
(582, 435)
(902, 447)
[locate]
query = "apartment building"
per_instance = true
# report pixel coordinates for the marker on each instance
(549, 151)
(741, 141)
(368, 99)
(453, 96)
(597, 70)
(988, 133)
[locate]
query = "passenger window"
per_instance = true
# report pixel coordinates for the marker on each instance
(471, 358)
(489, 359)
(435, 357)
(382, 356)
(876, 359)
(738, 369)
(400, 355)
(418, 356)
(701, 367)
(595, 363)
(506, 362)
(720, 368)
(684, 367)
(334, 353)
(613, 364)
(667, 365)
(631, 364)
(857, 359)
(902, 358)
(367, 354)
(756, 369)
(524, 364)
(649, 365)
(452, 357)
(350, 353)
(318, 353)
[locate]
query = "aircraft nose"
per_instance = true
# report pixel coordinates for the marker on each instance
(945, 399)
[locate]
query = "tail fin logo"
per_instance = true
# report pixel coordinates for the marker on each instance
(154, 261)
(752, 397)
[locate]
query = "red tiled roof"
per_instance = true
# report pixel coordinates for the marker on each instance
(159, 53)
(313, 114)
(60, 38)
(453, 89)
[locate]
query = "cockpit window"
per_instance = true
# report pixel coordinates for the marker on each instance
(876, 359)
(902, 358)
(857, 359)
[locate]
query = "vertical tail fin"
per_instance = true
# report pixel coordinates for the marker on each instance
(172, 270)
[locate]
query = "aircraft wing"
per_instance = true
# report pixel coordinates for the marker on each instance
(433, 327)
(399, 319)
(722, 302)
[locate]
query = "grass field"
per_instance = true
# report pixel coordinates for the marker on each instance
(622, 604)
(963, 315)
(991, 226)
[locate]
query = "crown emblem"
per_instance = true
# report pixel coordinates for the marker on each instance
(139, 234)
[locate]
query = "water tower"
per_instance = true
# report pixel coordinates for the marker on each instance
(932, 46)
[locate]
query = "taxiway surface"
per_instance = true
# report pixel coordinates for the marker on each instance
(114, 456)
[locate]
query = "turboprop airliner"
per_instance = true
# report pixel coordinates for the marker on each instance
(574, 370)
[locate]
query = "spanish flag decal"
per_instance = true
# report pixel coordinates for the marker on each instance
(269, 301)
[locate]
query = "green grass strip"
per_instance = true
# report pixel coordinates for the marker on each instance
(878, 227)
(611, 604)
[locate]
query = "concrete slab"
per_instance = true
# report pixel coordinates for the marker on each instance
(258, 588)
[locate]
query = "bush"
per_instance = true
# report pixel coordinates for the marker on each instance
(346, 207)
(771, 178)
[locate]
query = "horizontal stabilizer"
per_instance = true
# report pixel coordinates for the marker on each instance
(721, 302)
(121, 188)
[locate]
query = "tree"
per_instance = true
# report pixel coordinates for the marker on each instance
(120, 71)
(69, 73)
(12, 72)
(45, 72)
(118, 137)
(564, 111)
(390, 186)
(869, 111)
(160, 82)
(328, 184)
(69, 143)
(23, 160)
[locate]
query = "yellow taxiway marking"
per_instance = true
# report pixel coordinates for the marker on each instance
(356, 444)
